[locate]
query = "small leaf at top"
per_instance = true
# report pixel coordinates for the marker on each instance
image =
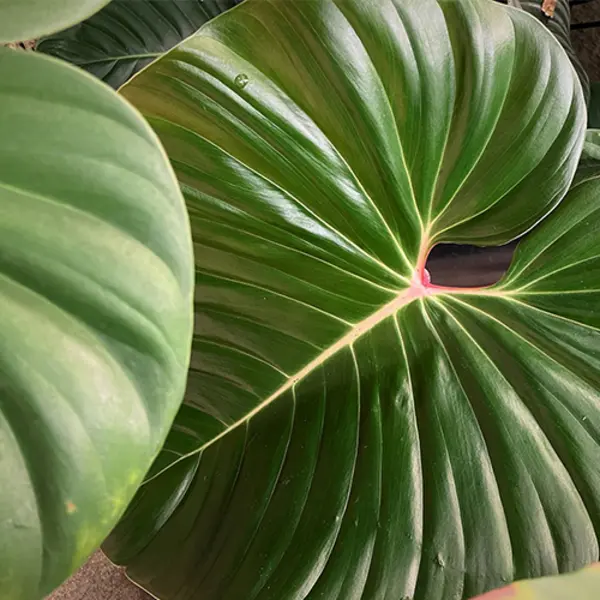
(126, 36)
(29, 19)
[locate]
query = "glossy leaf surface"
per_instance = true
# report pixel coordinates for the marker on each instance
(560, 25)
(28, 19)
(351, 431)
(95, 295)
(583, 585)
(126, 36)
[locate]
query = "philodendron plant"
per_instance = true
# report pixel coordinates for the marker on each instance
(350, 430)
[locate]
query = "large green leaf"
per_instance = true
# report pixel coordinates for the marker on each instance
(96, 293)
(351, 431)
(28, 19)
(126, 36)
(583, 585)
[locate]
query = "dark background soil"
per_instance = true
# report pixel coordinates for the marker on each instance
(587, 41)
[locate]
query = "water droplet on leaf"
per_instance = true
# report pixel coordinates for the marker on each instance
(241, 80)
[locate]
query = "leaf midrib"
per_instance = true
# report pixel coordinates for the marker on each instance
(417, 290)
(123, 57)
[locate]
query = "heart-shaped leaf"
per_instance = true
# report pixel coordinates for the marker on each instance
(28, 19)
(350, 430)
(583, 585)
(95, 295)
(126, 36)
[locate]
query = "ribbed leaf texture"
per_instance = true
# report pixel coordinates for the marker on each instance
(350, 430)
(96, 287)
(125, 36)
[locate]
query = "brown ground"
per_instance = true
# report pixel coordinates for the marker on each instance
(587, 41)
(99, 580)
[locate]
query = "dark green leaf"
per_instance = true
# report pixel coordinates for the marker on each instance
(351, 431)
(95, 296)
(594, 105)
(29, 19)
(126, 36)
(560, 25)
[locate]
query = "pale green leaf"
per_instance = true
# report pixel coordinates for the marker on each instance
(95, 295)
(583, 585)
(28, 19)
